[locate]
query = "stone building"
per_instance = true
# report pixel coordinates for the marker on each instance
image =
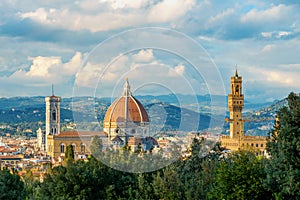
(80, 140)
(52, 121)
(237, 139)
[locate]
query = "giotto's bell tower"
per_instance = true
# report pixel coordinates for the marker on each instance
(52, 114)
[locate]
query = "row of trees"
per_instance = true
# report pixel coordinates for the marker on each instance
(240, 175)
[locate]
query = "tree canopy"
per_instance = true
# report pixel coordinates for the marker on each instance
(11, 187)
(284, 149)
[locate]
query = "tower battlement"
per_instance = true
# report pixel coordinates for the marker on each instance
(237, 139)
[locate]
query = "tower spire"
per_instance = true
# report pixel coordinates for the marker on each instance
(52, 90)
(126, 90)
(236, 71)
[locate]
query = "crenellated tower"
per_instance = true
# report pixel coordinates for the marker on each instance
(237, 140)
(235, 106)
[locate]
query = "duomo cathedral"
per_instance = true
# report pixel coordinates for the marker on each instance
(126, 122)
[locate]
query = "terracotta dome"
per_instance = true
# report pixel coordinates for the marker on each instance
(126, 109)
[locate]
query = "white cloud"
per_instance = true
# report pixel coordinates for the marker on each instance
(276, 77)
(42, 66)
(48, 70)
(274, 13)
(220, 17)
(88, 76)
(283, 34)
(44, 16)
(119, 14)
(276, 34)
(71, 67)
(176, 71)
(122, 4)
(169, 10)
(144, 56)
(268, 48)
(267, 34)
(91, 73)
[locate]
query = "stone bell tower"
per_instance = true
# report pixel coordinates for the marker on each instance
(235, 106)
(52, 114)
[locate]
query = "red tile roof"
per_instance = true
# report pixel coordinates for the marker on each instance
(80, 134)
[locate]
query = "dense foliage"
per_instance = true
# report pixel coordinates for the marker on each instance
(284, 149)
(11, 187)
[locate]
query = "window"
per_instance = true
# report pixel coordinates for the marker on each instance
(256, 145)
(74, 147)
(261, 145)
(62, 148)
(237, 89)
(53, 115)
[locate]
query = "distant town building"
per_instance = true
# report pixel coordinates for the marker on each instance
(41, 139)
(237, 139)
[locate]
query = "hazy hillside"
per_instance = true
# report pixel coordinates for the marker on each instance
(163, 110)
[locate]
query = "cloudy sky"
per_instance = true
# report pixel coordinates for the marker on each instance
(90, 47)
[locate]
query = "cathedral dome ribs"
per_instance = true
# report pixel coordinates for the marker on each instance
(126, 114)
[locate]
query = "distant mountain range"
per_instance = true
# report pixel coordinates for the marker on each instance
(166, 112)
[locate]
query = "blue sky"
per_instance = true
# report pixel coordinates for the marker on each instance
(45, 42)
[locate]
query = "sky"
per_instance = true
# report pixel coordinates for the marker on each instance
(162, 46)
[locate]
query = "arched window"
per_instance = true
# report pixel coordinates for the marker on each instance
(82, 148)
(62, 148)
(54, 115)
(237, 89)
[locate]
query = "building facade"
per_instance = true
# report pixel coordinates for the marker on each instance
(80, 140)
(41, 139)
(237, 139)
